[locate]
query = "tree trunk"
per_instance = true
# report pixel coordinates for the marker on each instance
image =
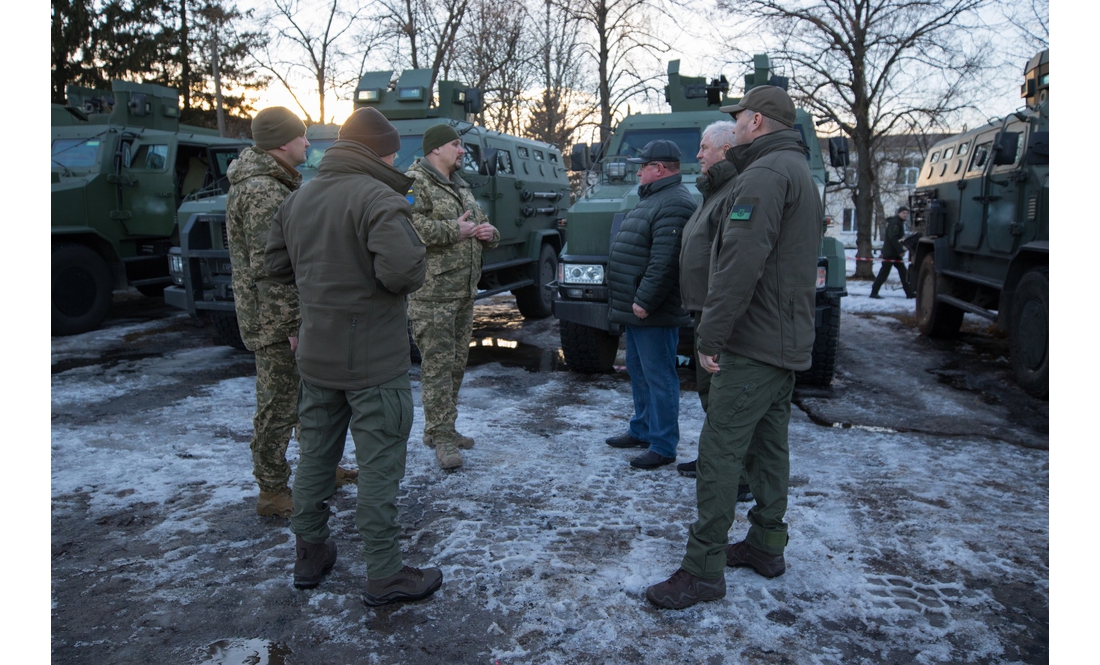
(185, 58)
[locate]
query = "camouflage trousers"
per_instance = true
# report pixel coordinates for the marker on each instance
(442, 330)
(276, 414)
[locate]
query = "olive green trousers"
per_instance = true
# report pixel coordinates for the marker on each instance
(748, 414)
(380, 419)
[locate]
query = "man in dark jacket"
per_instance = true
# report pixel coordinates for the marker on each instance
(757, 328)
(893, 253)
(644, 279)
(347, 241)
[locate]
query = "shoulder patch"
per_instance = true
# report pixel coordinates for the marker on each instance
(741, 212)
(409, 196)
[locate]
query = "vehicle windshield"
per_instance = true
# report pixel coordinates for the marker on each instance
(75, 153)
(686, 138)
(410, 150)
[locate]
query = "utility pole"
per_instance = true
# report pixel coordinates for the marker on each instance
(220, 110)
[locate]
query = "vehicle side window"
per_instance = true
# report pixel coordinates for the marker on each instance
(964, 148)
(522, 152)
(504, 162)
(472, 159)
(150, 157)
(538, 156)
(935, 157)
(981, 153)
(947, 153)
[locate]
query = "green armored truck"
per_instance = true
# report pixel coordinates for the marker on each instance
(589, 340)
(121, 164)
(521, 184)
(980, 207)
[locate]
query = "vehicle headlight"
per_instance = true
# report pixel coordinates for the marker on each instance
(578, 273)
(175, 268)
(822, 274)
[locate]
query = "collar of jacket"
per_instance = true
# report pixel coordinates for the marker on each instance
(454, 181)
(713, 178)
(353, 157)
(784, 139)
(657, 185)
(256, 162)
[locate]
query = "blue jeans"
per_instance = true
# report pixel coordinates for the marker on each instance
(651, 363)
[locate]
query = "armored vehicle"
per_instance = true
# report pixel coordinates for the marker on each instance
(980, 207)
(589, 341)
(521, 184)
(121, 166)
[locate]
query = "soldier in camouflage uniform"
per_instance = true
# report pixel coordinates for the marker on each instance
(267, 312)
(455, 230)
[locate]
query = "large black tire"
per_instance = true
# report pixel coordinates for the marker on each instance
(935, 319)
(588, 350)
(536, 301)
(80, 289)
(826, 340)
(227, 331)
(1029, 338)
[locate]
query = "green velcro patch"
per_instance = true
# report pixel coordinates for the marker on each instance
(741, 213)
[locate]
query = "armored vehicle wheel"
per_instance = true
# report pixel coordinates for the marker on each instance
(935, 319)
(588, 350)
(80, 289)
(536, 301)
(826, 339)
(1028, 332)
(227, 331)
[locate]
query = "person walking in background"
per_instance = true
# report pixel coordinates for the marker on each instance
(893, 254)
(455, 230)
(756, 331)
(267, 312)
(347, 241)
(644, 281)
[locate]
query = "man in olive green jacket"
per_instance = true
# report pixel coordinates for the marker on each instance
(759, 316)
(267, 312)
(347, 241)
(455, 230)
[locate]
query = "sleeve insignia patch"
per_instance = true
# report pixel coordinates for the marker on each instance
(740, 213)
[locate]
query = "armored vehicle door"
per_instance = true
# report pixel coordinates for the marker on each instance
(969, 224)
(1003, 196)
(471, 173)
(146, 183)
(505, 193)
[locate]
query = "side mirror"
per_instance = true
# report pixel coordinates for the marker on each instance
(838, 151)
(489, 162)
(1038, 148)
(473, 101)
(1005, 147)
(580, 158)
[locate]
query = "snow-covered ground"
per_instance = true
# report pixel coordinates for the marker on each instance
(904, 547)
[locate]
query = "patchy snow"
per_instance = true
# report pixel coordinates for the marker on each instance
(903, 547)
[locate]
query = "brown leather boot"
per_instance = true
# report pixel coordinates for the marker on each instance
(407, 584)
(684, 590)
(743, 554)
(279, 503)
(346, 476)
(461, 442)
(448, 456)
(312, 561)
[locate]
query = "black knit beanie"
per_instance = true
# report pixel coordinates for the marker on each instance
(438, 135)
(369, 127)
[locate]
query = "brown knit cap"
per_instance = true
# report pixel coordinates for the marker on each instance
(276, 126)
(369, 127)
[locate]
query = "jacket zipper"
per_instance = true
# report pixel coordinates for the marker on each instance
(351, 344)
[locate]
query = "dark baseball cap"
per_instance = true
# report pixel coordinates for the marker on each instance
(659, 150)
(767, 100)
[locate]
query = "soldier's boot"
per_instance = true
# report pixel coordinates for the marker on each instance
(278, 503)
(346, 476)
(461, 442)
(312, 561)
(407, 584)
(447, 455)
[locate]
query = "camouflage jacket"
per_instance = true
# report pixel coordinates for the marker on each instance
(267, 312)
(454, 266)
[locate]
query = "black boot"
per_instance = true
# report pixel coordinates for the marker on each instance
(313, 560)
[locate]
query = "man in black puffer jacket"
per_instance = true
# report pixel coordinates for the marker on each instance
(644, 278)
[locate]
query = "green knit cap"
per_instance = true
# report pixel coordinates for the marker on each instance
(276, 126)
(438, 135)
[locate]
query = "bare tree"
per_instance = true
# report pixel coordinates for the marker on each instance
(872, 67)
(563, 105)
(429, 27)
(625, 37)
(493, 52)
(315, 34)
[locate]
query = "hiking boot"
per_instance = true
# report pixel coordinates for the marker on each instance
(743, 554)
(876, 296)
(312, 561)
(279, 503)
(743, 494)
(625, 441)
(447, 455)
(461, 442)
(687, 469)
(684, 590)
(346, 476)
(650, 460)
(408, 584)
